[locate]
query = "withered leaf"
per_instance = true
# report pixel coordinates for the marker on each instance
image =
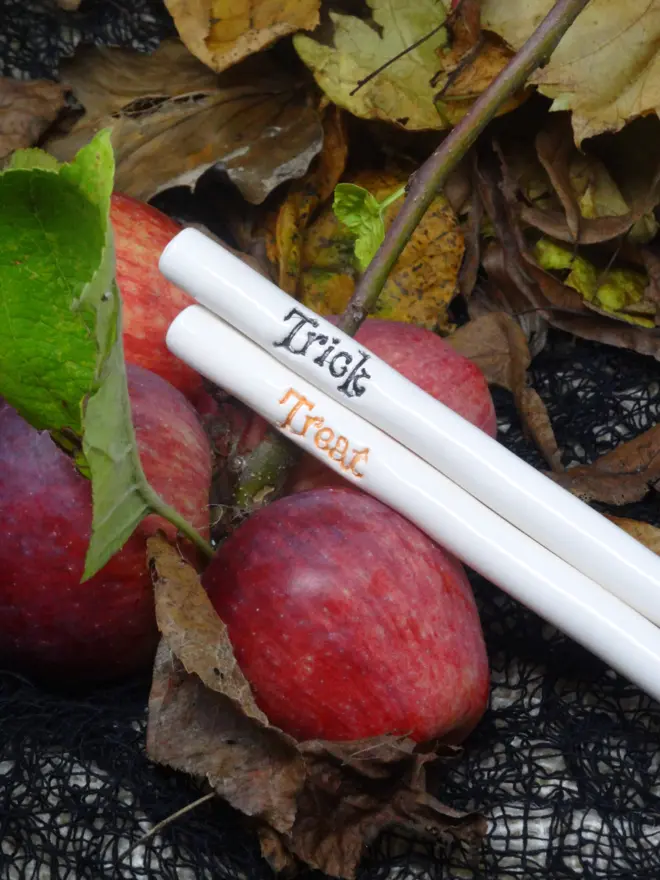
(204, 733)
(644, 532)
(594, 230)
(621, 476)
(27, 108)
(223, 32)
(496, 343)
(319, 803)
(172, 118)
(191, 627)
(424, 279)
(606, 69)
(306, 195)
(554, 146)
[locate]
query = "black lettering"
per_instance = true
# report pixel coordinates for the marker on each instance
(287, 342)
(321, 359)
(351, 387)
(340, 371)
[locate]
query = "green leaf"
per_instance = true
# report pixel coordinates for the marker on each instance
(32, 158)
(357, 209)
(61, 354)
(52, 243)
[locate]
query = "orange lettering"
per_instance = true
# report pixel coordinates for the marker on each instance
(302, 401)
(360, 455)
(324, 438)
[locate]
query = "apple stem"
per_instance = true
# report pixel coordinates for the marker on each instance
(432, 175)
(162, 508)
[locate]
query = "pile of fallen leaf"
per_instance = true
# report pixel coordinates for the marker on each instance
(549, 223)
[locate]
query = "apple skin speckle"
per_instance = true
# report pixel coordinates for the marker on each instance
(349, 622)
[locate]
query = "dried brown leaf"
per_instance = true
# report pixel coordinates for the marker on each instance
(594, 230)
(537, 425)
(27, 108)
(645, 533)
(496, 343)
(192, 629)
(554, 148)
(223, 32)
(621, 476)
(172, 119)
(317, 802)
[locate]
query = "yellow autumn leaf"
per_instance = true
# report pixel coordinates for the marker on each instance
(305, 196)
(222, 32)
(423, 281)
(403, 92)
(606, 69)
(618, 292)
(644, 532)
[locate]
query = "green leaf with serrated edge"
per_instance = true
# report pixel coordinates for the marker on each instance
(121, 495)
(61, 353)
(360, 211)
(32, 158)
(52, 244)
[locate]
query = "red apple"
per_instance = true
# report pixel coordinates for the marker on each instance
(150, 301)
(349, 622)
(432, 364)
(51, 624)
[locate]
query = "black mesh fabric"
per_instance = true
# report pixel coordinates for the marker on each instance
(565, 764)
(35, 35)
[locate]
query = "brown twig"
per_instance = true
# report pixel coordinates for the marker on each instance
(434, 172)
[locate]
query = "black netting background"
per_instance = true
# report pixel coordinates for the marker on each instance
(565, 764)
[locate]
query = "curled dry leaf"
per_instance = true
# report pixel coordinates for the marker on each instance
(305, 196)
(27, 108)
(496, 343)
(554, 149)
(621, 476)
(606, 69)
(424, 279)
(223, 32)
(172, 119)
(644, 532)
(472, 61)
(320, 803)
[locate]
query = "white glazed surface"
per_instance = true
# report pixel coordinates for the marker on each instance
(516, 491)
(446, 512)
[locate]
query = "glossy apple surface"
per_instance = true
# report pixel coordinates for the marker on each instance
(433, 365)
(150, 301)
(349, 622)
(51, 624)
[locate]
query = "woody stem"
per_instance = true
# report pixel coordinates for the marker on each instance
(432, 175)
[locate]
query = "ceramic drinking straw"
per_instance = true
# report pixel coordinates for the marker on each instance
(367, 457)
(338, 365)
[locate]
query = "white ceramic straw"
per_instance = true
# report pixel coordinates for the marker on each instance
(369, 458)
(334, 362)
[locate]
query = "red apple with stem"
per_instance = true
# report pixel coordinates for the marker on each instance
(349, 622)
(433, 365)
(52, 625)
